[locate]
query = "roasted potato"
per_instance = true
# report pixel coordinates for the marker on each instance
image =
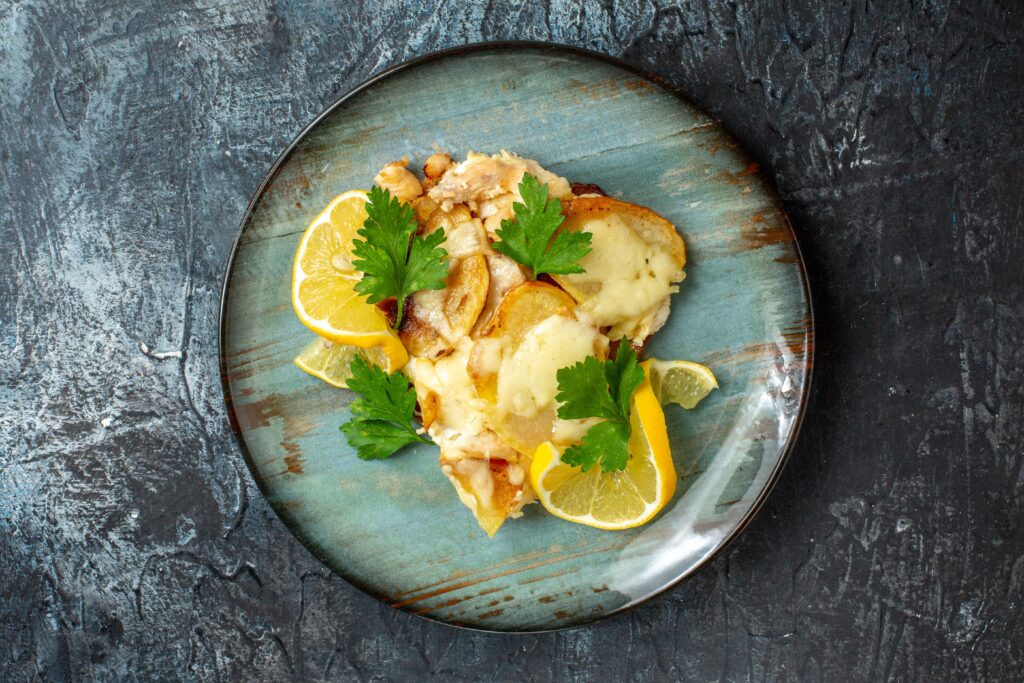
(504, 275)
(435, 320)
(524, 306)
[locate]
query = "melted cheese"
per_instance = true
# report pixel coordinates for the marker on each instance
(626, 278)
(572, 431)
(460, 410)
(527, 378)
(476, 475)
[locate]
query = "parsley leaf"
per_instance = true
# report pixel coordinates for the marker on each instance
(605, 442)
(531, 238)
(596, 388)
(396, 262)
(382, 415)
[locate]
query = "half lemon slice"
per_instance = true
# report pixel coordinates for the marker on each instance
(682, 382)
(323, 281)
(612, 500)
(332, 362)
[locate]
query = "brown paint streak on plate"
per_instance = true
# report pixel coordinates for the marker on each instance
(256, 414)
(545, 577)
(639, 86)
(464, 574)
(296, 183)
(766, 230)
(750, 354)
(507, 572)
(491, 614)
(293, 461)
(241, 354)
(596, 90)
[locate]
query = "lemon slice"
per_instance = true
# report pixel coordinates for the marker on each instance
(612, 500)
(680, 381)
(323, 282)
(331, 362)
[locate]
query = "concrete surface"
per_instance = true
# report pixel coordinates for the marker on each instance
(133, 543)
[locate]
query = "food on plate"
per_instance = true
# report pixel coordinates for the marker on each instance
(497, 311)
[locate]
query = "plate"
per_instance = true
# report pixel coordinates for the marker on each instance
(395, 528)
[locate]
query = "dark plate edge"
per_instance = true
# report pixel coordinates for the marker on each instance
(808, 340)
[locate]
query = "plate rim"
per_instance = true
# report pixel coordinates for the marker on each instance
(809, 336)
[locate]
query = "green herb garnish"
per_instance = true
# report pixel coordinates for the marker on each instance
(531, 238)
(382, 417)
(596, 388)
(396, 262)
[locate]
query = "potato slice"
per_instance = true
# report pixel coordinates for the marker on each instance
(504, 275)
(437, 319)
(637, 257)
(467, 291)
(524, 306)
(423, 316)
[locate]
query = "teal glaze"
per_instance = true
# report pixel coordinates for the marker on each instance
(395, 528)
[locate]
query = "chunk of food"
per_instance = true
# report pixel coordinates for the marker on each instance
(457, 415)
(612, 500)
(464, 234)
(493, 489)
(524, 306)
(535, 332)
(436, 165)
(636, 261)
(435, 320)
(399, 180)
(504, 275)
(489, 185)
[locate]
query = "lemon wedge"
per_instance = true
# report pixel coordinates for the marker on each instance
(331, 362)
(612, 500)
(323, 281)
(680, 381)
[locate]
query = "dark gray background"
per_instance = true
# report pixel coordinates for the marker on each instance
(133, 542)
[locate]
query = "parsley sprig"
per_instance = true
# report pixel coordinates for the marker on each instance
(596, 388)
(382, 417)
(394, 262)
(531, 238)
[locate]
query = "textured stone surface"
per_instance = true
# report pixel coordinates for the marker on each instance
(133, 543)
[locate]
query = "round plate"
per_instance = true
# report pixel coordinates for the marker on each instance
(395, 528)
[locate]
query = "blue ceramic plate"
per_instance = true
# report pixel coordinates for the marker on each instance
(395, 528)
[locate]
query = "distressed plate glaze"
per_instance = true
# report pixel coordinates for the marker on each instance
(396, 528)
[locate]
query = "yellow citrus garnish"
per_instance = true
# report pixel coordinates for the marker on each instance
(682, 382)
(331, 362)
(323, 280)
(612, 500)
